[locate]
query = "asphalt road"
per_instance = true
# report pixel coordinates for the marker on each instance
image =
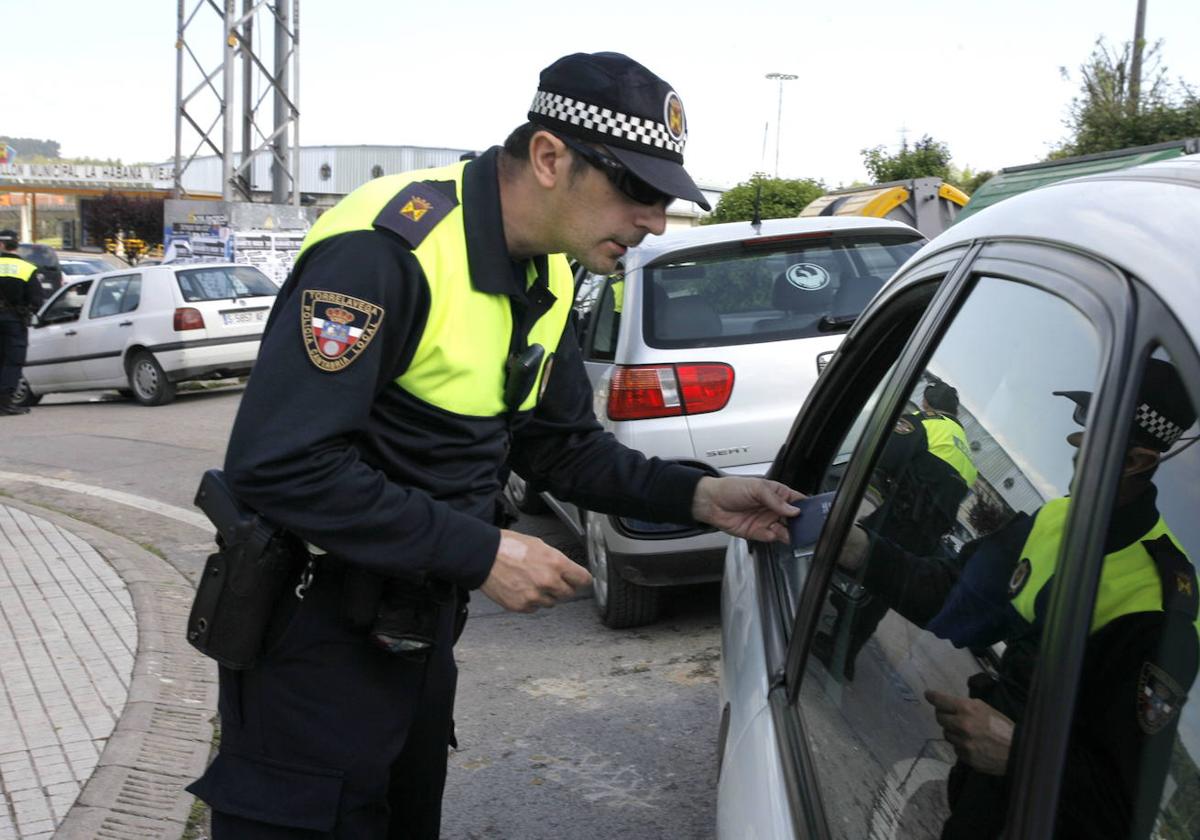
(566, 729)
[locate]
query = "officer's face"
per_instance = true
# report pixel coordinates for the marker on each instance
(599, 223)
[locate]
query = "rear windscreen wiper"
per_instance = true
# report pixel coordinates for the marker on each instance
(828, 323)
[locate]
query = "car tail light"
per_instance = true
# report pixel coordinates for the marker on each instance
(187, 318)
(639, 392)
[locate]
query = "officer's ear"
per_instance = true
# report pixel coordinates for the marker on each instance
(548, 159)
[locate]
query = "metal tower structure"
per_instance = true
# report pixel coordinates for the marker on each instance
(211, 103)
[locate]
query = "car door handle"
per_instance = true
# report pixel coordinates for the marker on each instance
(125, 324)
(69, 332)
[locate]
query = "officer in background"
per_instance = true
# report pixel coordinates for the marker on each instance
(20, 297)
(1141, 657)
(924, 473)
(422, 342)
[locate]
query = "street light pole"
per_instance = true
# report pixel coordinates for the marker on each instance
(781, 77)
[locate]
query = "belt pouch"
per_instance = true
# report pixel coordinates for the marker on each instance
(235, 598)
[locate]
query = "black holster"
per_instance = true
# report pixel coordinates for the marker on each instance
(243, 581)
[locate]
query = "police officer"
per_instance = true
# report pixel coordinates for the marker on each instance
(923, 475)
(421, 342)
(1140, 660)
(20, 296)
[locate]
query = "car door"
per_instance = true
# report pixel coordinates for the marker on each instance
(599, 302)
(869, 629)
(53, 356)
(107, 327)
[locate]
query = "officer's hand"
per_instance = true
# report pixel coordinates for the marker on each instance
(753, 508)
(529, 574)
(855, 549)
(980, 735)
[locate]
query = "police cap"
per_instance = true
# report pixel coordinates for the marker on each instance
(610, 99)
(1163, 413)
(942, 397)
(8, 238)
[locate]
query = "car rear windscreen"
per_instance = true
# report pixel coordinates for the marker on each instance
(781, 289)
(223, 283)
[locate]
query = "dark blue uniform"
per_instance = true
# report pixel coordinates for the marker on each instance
(328, 736)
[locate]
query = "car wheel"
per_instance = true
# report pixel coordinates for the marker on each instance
(24, 395)
(619, 602)
(523, 496)
(148, 382)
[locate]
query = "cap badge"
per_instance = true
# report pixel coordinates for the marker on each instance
(415, 208)
(673, 116)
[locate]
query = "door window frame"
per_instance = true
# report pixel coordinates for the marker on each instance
(1102, 293)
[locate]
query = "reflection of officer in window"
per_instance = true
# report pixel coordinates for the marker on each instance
(924, 473)
(1140, 659)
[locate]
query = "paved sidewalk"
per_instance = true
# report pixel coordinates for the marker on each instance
(105, 712)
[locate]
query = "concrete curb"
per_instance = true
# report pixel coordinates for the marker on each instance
(163, 738)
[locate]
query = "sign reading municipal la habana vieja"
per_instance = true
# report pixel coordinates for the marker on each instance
(87, 175)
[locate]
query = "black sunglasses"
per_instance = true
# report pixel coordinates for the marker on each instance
(624, 180)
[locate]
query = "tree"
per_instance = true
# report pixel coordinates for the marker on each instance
(782, 198)
(28, 147)
(967, 179)
(1104, 116)
(924, 159)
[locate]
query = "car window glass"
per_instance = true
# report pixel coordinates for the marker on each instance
(133, 294)
(1134, 748)
(587, 295)
(68, 304)
(918, 602)
(607, 317)
(109, 296)
(223, 283)
(795, 287)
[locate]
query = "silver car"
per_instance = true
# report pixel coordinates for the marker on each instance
(701, 350)
(871, 689)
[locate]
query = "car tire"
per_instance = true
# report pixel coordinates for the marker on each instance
(24, 395)
(523, 496)
(148, 381)
(620, 603)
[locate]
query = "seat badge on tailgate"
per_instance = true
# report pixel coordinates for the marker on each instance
(733, 450)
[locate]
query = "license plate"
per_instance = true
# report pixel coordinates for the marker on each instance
(244, 316)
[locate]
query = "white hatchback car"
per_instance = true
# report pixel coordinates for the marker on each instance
(143, 330)
(702, 350)
(848, 658)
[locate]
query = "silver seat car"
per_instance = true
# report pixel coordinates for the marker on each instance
(1016, 662)
(701, 349)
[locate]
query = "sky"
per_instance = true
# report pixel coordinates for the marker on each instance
(983, 77)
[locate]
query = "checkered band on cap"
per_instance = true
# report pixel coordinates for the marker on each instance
(606, 121)
(1157, 426)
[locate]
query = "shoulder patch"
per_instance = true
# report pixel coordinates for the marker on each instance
(415, 210)
(904, 426)
(1159, 698)
(1180, 592)
(336, 328)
